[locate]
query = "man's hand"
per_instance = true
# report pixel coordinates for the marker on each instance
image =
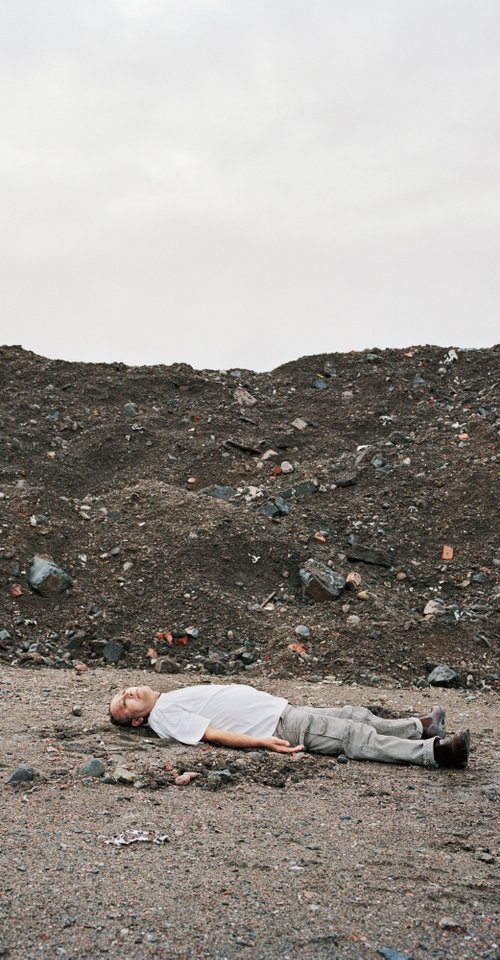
(241, 741)
(280, 746)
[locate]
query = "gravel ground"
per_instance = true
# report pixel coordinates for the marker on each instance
(286, 859)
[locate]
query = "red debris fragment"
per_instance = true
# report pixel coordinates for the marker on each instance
(296, 648)
(447, 553)
(180, 641)
(15, 590)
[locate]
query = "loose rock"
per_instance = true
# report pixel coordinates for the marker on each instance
(46, 578)
(22, 774)
(122, 775)
(93, 768)
(357, 551)
(444, 676)
(219, 492)
(319, 582)
(112, 651)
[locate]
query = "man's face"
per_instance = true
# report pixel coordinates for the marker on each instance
(133, 703)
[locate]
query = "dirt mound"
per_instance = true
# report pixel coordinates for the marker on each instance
(184, 503)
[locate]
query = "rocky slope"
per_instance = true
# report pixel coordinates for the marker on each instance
(184, 503)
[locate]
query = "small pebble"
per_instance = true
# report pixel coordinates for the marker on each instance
(449, 923)
(93, 768)
(123, 775)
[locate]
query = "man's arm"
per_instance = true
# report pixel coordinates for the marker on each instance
(239, 741)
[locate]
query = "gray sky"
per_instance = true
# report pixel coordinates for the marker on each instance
(241, 182)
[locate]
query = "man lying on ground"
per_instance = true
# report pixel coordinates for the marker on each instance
(236, 715)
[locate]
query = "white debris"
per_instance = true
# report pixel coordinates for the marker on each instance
(243, 397)
(136, 836)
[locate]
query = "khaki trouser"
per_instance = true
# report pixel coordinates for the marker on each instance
(356, 732)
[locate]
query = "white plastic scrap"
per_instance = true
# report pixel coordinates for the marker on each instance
(451, 356)
(136, 836)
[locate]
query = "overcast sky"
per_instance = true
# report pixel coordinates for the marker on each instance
(242, 182)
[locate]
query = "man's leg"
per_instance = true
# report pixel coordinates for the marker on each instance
(323, 733)
(408, 729)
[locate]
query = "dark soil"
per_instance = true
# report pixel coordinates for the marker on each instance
(401, 444)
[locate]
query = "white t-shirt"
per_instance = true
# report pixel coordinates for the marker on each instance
(185, 714)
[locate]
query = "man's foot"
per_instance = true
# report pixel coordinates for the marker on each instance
(433, 723)
(453, 751)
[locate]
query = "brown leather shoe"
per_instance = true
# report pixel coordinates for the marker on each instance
(453, 751)
(433, 723)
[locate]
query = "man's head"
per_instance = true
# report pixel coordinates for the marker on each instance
(132, 706)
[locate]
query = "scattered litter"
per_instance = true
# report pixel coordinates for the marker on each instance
(244, 398)
(268, 599)
(447, 553)
(137, 836)
(448, 923)
(434, 608)
(354, 579)
(296, 648)
(241, 445)
(299, 423)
